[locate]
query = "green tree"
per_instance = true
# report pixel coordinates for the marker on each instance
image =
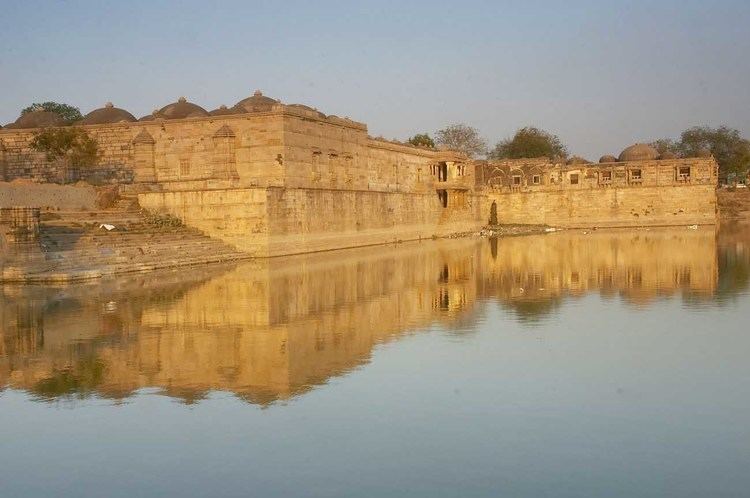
(730, 150)
(422, 140)
(529, 142)
(72, 145)
(69, 113)
(462, 138)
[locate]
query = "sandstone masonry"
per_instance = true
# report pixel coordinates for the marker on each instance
(273, 179)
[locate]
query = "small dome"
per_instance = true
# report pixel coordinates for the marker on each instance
(607, 159)
(181, 109)
(577, 160)
(257, 103)
(639, 152)
(150, 117)
(38, 119)
(668, 154)
(704, 153)
(108, 114)
(306, 108)
(222, 111)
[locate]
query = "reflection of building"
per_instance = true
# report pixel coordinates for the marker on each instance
(533, 272)
(265, 330)
(271, 329)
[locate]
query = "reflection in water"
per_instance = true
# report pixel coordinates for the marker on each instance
(269, 330)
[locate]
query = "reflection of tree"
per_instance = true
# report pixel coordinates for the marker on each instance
(532, 311)
(78, 381)
(734, 273)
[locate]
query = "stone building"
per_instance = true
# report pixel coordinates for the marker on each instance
(639, 188)
(266, 177)
(273, 179)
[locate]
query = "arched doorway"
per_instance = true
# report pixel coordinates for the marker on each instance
(493, 214)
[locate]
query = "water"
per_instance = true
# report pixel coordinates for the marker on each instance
(570, 364)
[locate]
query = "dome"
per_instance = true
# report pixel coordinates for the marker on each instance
(108, 114)
(306, 108)
(577, 160)
(639, 152)
(222, 111)
(150, 117)
(607, 159)
(181, 109)
(38, 119)
(257, 103)
(668, 154)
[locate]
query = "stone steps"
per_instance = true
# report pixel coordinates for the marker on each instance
(75, 248)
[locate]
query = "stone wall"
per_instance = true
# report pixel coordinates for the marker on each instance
(612, 207)
(276, 221)
(286, 147)
(26, 194)
(620, 194)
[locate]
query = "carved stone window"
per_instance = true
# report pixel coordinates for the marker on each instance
(574, 179)
(605, 177)
(683, 173)
(635, 175)
(536, 179)
(516, 180)
(185, 167)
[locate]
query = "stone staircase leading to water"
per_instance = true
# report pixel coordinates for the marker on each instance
(74, 246)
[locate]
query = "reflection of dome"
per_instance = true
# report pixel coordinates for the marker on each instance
(607, 159)
(108, 114)
(704, 153)
(181, 109)
(668, 154)
(38, 119)
(222, 111)
(639, 152)
(257, 103)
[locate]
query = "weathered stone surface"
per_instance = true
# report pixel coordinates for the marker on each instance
(275, 179)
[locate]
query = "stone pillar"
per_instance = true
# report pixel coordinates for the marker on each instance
(3, 166)
(224, 163)
(144, 152)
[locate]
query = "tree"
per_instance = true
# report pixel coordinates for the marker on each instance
(422, 140)
(462, 138)
(72, 145)
(666, 145)
(730, 150)
(69, 113)
(529, 142)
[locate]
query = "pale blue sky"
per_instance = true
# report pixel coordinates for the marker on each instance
(600, 74)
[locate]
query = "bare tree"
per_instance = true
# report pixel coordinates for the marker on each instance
(462, 138)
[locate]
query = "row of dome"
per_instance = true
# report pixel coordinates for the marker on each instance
(177, 110)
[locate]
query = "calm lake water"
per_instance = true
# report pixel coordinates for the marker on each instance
(570, 364)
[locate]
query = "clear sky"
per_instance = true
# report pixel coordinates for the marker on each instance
(600, 74)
